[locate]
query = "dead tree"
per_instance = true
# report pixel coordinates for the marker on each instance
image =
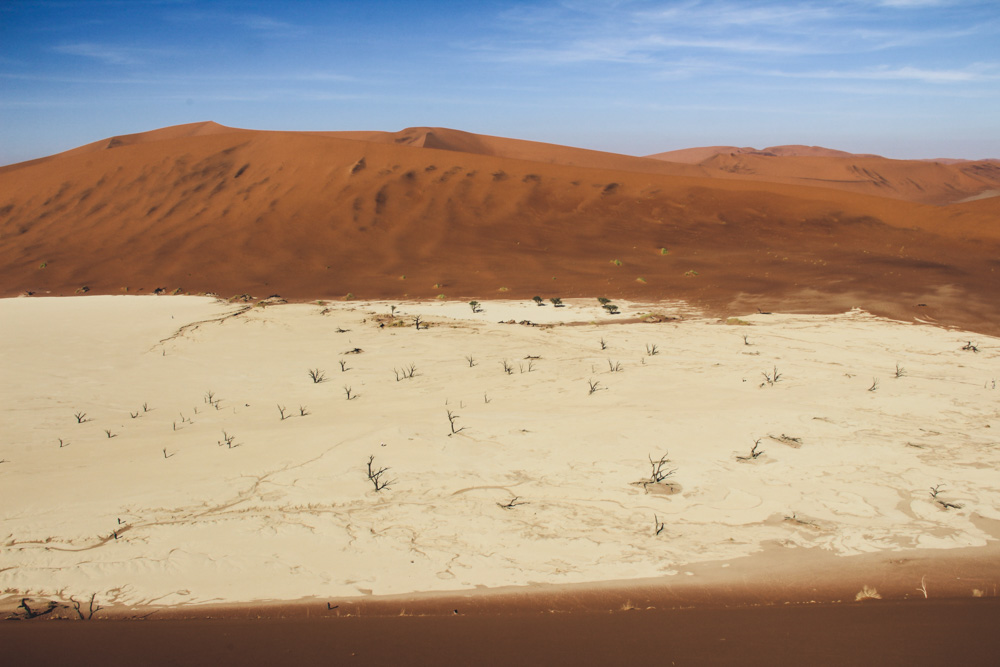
(35, 613)
(376, 476)
(94, 608)
(512, 504)
(754, 453)
(451, 420)
(658, 471)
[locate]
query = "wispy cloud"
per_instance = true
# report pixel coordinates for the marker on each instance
(261, 24)
(266, 24)
(110, 55)
(977, 73)
(630, 31)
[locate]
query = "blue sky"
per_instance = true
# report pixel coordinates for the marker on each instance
(902, 78)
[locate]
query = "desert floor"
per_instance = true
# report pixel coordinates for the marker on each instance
(164, 452)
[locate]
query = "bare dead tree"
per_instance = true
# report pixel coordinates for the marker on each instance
(303, 411)
(81, 417)
(754, 453)
(317, 375)
(874, 386)
(406, 373)
(472, 362)
(900, 371)
(594, 386)
(108, 432)
(615, 367)
(970, 347)
(604, 344)
(343, 366)
(771, 378)
(281, 411)
(417, 321)
(347, 391)
(507, 368)
(451, 420)
(35, 613)
(512, 504)
(657, 524)
(935, 490)
(376, 477)
(658, 471)
(652, 350)
(93, 608)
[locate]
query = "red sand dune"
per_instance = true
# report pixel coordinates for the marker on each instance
(925, 181)
(204, 208)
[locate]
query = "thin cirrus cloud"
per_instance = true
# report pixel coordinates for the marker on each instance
(568, 32)
(974, 74)
(109, 55)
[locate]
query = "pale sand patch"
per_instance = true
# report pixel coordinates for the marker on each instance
(287, 512)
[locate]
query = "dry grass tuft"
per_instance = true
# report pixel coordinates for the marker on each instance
(867, 593)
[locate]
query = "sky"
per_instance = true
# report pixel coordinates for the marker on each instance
(900, 78)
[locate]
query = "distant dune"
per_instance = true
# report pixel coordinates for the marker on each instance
(429, 211)
(926, 181)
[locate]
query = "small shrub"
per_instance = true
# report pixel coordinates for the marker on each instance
(616, 262)
(867, 593)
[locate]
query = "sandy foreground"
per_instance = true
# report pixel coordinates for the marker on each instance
(182, 483)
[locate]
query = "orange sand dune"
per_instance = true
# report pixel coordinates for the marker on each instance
(925, 181)
(697, 155)
(202, 208)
